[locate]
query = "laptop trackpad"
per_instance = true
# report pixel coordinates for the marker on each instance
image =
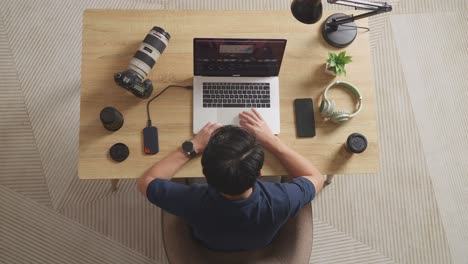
(229, 116)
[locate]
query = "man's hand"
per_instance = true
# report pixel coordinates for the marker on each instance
(201, 139)
(296, 164)
(254, 123)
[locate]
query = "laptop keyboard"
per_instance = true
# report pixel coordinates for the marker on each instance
(245, 95)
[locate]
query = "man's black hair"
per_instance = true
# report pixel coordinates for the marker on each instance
(232, 160)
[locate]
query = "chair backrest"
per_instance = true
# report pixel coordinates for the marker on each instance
(293, 244)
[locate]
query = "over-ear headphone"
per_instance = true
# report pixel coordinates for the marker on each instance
(327, 107)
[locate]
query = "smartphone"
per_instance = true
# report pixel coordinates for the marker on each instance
(305, 121)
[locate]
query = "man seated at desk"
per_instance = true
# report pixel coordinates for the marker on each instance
(233, 211)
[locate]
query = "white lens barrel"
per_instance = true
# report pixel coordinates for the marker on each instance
(149, 52)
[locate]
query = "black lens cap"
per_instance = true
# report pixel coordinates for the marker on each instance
(119, 152)
(356, 143)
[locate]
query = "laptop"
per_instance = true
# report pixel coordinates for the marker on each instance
(235, 75)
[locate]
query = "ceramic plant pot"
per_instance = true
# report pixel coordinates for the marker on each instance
(328, 70)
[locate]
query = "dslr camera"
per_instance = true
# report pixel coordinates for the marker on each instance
(133, 79)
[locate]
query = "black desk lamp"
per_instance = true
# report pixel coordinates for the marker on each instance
(339, 30)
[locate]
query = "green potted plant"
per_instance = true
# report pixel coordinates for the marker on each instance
(336, 63)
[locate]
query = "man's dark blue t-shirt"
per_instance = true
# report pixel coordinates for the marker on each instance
(226, 225)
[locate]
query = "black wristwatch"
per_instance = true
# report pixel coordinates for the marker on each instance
(189, 149)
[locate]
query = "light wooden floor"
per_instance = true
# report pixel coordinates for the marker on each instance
(411, 212)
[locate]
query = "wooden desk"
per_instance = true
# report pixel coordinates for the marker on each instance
(111, 37)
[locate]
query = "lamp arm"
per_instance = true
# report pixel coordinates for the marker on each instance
(359, 3)
(377, 8)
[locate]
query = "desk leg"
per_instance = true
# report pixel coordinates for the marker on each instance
(114, 183)
(329, 179)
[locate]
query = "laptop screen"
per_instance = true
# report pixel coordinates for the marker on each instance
(238, 57)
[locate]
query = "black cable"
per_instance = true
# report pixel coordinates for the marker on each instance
(156, 96)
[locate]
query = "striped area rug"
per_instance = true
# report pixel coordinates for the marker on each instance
(407, 213)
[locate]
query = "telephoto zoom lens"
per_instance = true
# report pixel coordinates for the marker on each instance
(133, 79)
(149, 51)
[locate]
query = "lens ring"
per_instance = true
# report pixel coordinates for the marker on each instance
(155, 42)
(145, 58)
(162, 31)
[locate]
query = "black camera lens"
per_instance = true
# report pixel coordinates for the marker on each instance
(356, 143)
(111, 119)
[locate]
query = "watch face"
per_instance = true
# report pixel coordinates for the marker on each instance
(187, 146)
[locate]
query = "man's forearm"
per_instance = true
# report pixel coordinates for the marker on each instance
(168, 166)
(163, 169)
(294, 163)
